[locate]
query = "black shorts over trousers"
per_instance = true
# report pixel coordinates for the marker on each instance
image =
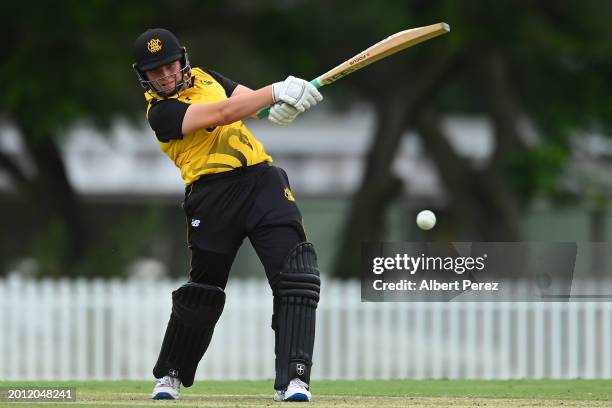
(223, 209)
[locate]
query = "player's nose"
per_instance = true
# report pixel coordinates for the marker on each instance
(167, 71)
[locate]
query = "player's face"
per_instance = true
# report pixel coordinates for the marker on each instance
(165, 77)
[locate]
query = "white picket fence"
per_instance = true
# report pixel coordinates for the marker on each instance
(95, 330)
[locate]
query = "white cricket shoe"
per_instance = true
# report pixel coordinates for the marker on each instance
(167, 388)
(297, 390)
(279, 395)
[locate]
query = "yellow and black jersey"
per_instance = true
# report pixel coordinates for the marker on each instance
(206, 151)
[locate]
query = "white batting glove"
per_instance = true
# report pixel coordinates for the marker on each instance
(298, 93)
(282, 114)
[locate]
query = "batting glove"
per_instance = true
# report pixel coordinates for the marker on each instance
(282, 114)
(300, 94)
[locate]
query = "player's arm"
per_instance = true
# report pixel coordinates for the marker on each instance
(241, 90)
(297, 95)
(231, 87)
(203, 115)
(171, 119)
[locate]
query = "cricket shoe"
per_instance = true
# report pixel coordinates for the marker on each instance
(167, 388)
(297, 390)
(279, 395)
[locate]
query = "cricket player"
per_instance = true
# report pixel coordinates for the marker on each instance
(232, 192)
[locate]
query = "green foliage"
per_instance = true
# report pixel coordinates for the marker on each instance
(64, 63)
(70, 61)
(117, 243)
(559, 59)
(125, 239)
(535, 171)
(48, 248)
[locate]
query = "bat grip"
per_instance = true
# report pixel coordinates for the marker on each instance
(263, 113)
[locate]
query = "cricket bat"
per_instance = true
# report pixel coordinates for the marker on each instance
(389, 46)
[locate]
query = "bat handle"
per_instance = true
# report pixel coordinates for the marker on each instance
(316, 83)
(263, 113)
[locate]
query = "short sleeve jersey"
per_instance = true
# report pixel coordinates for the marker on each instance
(205, 151)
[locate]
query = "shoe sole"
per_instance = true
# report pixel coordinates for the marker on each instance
(163, 396)
(298, 397)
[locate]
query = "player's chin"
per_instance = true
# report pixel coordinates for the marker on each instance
(166, 91)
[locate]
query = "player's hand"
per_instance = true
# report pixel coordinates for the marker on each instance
(282, 113)
(298, 93)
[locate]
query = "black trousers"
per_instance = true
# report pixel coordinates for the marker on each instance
(223, 209)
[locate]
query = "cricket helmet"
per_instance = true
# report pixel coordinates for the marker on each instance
(157, 47)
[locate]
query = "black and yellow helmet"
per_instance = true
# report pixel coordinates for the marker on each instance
(157, 47)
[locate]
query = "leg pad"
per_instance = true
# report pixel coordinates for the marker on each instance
(296, 295)
(195, 311)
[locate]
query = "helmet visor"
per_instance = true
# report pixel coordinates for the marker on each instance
(168, 84)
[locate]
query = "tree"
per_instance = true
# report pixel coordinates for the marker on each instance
(544, 64)
(68, 63)
(536, 70)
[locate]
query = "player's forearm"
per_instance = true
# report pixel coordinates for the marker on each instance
(241, 89)
(201, 116)
(247, 103)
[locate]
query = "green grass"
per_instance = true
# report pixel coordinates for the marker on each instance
(376, 394)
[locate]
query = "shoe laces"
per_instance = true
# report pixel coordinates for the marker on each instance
(296, 382)
(170, 382)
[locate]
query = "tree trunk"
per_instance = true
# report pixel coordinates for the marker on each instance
(16, 175)
(480, 205)
(456, 176)
(504, 107)
(395, 109)
(366, 218)
(53, 197)
(599, 250)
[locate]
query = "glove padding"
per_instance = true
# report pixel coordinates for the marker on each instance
(282, 113)
(296, 92)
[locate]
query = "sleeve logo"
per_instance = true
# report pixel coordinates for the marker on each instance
(289, 194)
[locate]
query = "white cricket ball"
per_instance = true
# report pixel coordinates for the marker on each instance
(426, 220)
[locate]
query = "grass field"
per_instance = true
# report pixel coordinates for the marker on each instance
(378, 394)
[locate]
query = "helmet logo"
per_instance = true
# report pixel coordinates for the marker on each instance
(154, 45)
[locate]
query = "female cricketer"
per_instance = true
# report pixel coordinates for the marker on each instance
(232, 192)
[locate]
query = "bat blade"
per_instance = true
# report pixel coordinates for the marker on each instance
(382, 49)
